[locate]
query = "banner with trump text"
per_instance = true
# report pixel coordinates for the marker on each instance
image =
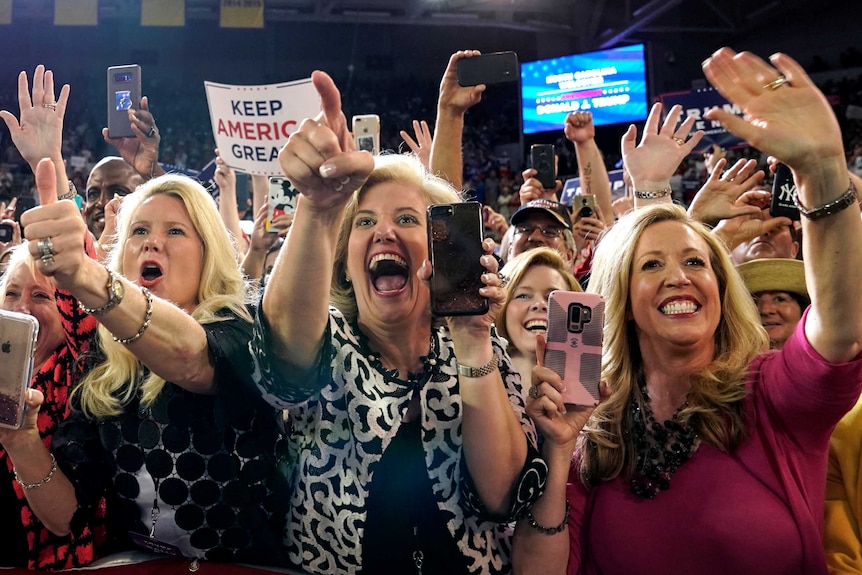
(251, 123)
(696, 103)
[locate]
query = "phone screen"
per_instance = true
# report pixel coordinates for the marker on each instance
(455, 249)
(574, 343)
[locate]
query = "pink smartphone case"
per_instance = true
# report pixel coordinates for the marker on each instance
(574, 343)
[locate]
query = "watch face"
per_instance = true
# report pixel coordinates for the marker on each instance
(118, 290)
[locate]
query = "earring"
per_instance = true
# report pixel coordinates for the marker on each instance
(347, 278)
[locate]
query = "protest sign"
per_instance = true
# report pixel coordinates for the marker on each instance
(251, 123)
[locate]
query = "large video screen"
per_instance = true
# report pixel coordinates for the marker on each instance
(609, 83)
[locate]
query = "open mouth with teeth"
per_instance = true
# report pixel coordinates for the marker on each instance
(150, 274)
(536, 325)
(680, 307)
(388, 272)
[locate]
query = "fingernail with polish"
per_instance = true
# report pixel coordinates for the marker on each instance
(326, 170)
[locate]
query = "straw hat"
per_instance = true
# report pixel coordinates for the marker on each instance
(774, 274)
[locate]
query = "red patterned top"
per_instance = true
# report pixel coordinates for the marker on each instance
(55, 378)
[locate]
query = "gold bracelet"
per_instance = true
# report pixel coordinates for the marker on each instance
(144, 326)
(46, 479)
(466, 371)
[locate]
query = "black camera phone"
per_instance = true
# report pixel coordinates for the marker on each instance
(455, 249)
(543, 160)
(783, 194)
(488, 69)
(6, 233)
(124, 92)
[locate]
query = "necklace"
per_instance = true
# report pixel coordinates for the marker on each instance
(661, 448)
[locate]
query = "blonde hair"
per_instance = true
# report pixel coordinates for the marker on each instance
(18, 256)
(115, 381)
(606, 446)
(404, 169)
(515, 269)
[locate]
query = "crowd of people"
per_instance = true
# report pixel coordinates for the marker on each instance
(212, 396)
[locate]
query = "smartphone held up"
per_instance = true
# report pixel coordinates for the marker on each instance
(366, 132)
(124, 93)
(281, 200)
(18, 334)
(455, 251)
(488, 69)
(574, 343)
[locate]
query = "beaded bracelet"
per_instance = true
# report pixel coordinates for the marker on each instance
(663, 193)
(147, 317)
(46, 479)
(548, 530)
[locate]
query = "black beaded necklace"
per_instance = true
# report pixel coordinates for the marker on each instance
(661, 448)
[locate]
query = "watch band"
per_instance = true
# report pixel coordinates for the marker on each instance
(846, 200)
(115, 296)
(489, 367)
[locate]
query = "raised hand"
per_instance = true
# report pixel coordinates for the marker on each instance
(532, 188)
(142, 151)
(421, 146)
(787, 116)
(38, 133)
(320, 159)
(579, 127)
(56, 231)
(661, 149)
(454, 96)
(730, 194)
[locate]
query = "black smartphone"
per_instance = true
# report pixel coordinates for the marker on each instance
(23, 204)
(124, 92)
(488, 69)
(18, 334)
(6, 233)
(543, 160)
(455, 248)
(783, 193)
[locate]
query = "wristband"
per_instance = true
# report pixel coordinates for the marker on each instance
(663, 193)
(846, 200)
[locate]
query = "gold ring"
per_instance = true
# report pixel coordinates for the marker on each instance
(46, 248)
(776, 84)
(52, 105)
(729, 179)
(679, 141)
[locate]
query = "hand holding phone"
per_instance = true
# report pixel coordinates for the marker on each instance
(124, 93)
(455, 249)
(574, 342)
(18, 334)
(488, 69)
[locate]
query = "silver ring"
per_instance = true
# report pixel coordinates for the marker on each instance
(345, 179)
(46, 248)
(152, 131)
(504, 281)
(776, 84)
(47, 260)
(534, 392)
(51, 105)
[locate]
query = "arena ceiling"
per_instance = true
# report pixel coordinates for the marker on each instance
(589, 24)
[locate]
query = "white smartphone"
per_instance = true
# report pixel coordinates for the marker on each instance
(281, 200)
(124, 92)
(18, 334)
(366, 132)
(574, 343)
